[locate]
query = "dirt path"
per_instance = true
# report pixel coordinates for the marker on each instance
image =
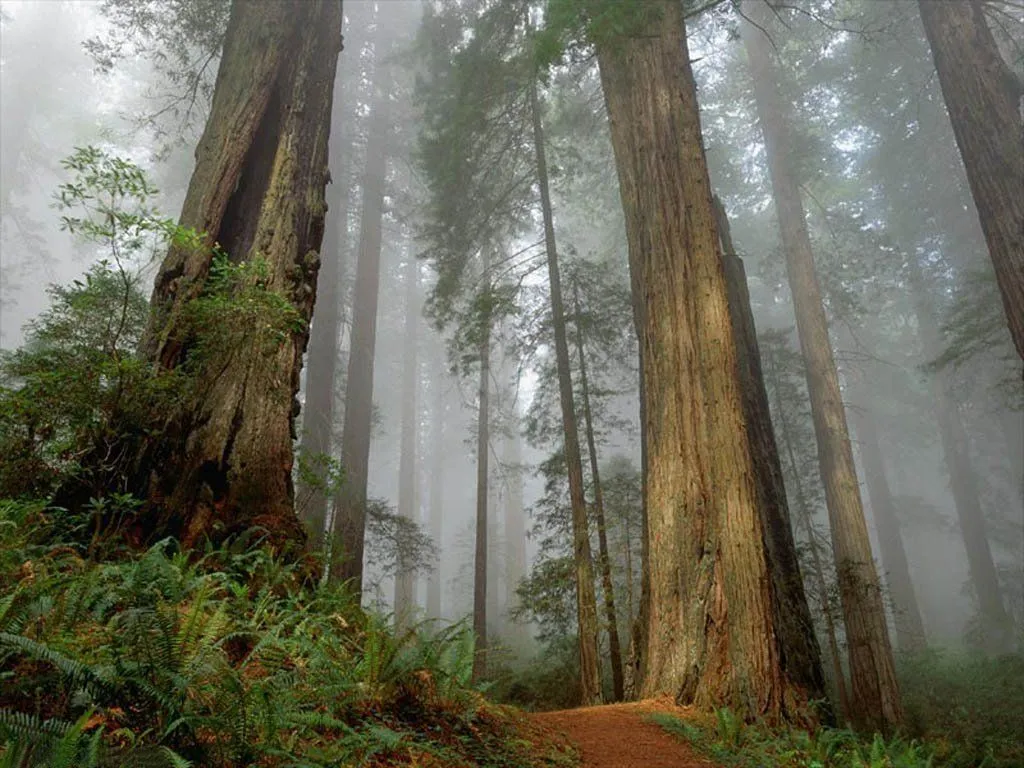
(617, 736)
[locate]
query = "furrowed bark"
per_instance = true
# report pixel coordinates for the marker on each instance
(983, 96)
(224, 462)
(713, 634)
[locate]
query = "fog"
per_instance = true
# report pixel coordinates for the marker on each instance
(929, 375)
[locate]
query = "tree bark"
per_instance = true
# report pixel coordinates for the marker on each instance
(586, 599)
(963, 481)
(983, 97)
(350, 501)
(607, 585)
(225, 462)
(796, 624)
(817, 560)
(482, 448)
(713, 634)
(875, 697)
(405, 582)
(318, 411)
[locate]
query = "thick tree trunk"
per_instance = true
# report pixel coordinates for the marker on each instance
(714, 634)
(350, 502)
(983, 97)
(437, 478)
(586, 599)
(321, 361)
(910, 636)
(483, 438)
(817, 559)
(405, 582)
(796, 624)
(874, 689)
(962, 478)
(607, 585)
(257, 191)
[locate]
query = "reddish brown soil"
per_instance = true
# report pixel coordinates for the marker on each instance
(618, 736)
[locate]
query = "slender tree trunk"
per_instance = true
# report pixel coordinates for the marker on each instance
(318, 411)
(910, 636)
(350, 501)
(614, 647)
(962, 477)
(817, 560)
(495, 552)
(515, 524)
(714, 634)
(405, 582)
(482, 448)
(225, 461)
(983, 97)
(875, 693)
(586, 599)
(437, 479)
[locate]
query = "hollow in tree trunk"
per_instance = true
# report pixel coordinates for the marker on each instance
(224, 462)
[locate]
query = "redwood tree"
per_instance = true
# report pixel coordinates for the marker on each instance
(350, 506)
(257, 192)
(714, 630)
(983, 96)
(586, 601)
(874, 691)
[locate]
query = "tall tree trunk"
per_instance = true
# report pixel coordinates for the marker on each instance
(910, 636)
(875, 693)
(495, 617)
(817, 560)
(607, 585)
(983, 97)
(405, 582)
(515, 524)
(350, 501)
(586, 599)
(482, 448)
(962, 478)
(714, 634)
(437, 479)
(318, 410)
(791, 600)
(257, 190)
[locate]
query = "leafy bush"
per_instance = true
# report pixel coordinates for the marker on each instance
(223, 658)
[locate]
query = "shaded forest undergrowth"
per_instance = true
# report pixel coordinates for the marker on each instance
(161, 658)
(229, 657)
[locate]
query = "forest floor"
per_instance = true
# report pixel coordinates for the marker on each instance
(619, 735)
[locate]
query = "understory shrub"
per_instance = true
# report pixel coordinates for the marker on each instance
(224, 658)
